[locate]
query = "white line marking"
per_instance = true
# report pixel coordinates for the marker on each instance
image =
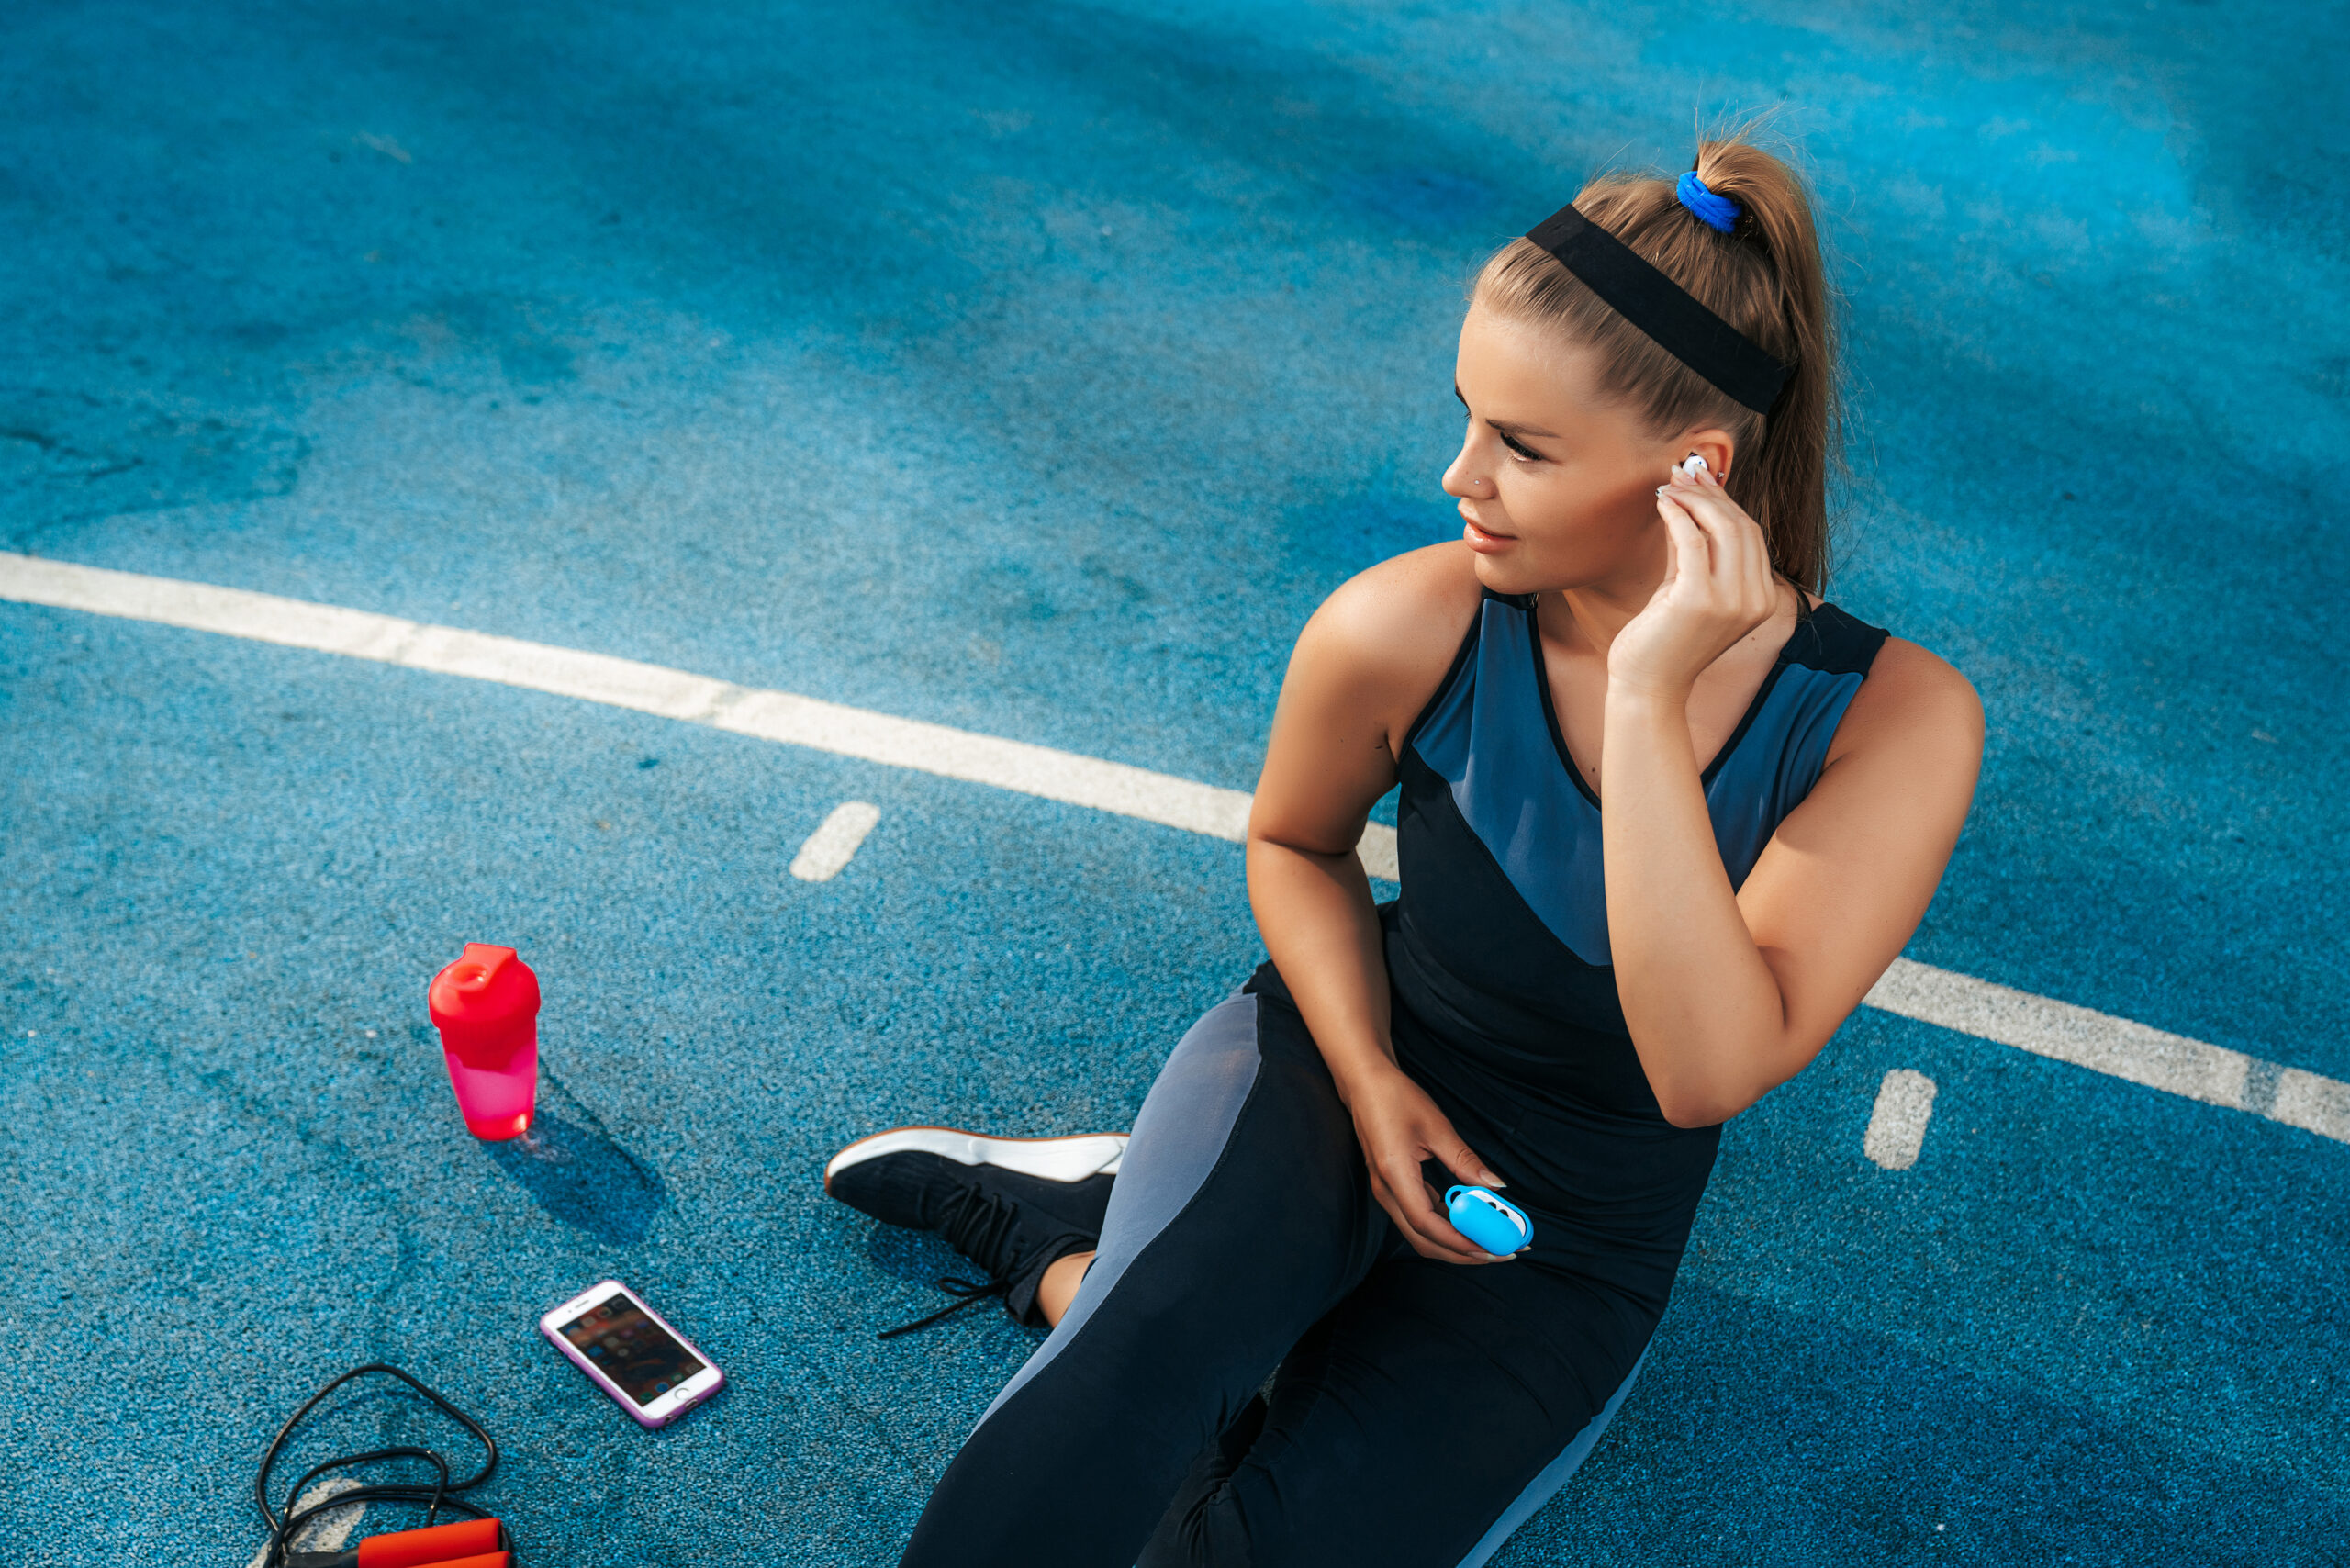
(2116, 1047)
(1904, 1104)
(646, 688)
(2095, 1040)
(328, 1531)
(833, 843)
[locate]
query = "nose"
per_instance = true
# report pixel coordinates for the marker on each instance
(1463, 480)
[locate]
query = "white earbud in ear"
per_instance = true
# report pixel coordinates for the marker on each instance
(1693, 465)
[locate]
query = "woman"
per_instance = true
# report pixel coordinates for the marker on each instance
(1565, 1003)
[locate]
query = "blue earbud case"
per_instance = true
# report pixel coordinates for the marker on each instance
(1493, 1223)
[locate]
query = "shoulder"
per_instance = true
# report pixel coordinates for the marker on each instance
(1379, 646)
(1917, 703)
(1400, 616)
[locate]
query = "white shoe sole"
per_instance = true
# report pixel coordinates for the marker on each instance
(1052, 1159)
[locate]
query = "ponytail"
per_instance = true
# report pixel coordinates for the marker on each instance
(1763, 276)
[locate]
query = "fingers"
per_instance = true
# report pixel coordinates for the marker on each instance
(1692, 555)
(1710, 507)
(1462, 1161)
(1426, 1221)
(1714, 511)
(1748, 559)
(1740, 556)
(1399, 1126)
(1405, 1198)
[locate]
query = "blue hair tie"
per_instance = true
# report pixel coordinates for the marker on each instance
(1714, 212)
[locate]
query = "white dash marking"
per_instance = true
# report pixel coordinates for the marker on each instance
(328, 1531)
(2135, 1052)
(833, 844)
(385, 145)
(1904, 1104)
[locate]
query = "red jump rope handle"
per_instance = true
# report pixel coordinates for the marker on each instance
(468, 1543)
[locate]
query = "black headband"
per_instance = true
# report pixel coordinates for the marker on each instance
(1667, 312)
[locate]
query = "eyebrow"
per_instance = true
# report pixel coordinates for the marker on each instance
(1510, 427)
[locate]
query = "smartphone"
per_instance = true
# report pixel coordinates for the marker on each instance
(651, 1370)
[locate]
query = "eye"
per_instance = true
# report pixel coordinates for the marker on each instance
(1525, 452)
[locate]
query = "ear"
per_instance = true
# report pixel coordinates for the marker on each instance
(1711, 442)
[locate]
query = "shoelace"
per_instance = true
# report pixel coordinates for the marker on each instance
(981, 1227)
(972, 1291)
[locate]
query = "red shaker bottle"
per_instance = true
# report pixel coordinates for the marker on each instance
(487, 1007)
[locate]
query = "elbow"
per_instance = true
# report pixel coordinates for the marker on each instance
(1690, 1111)
(1262, 842)
(1692, 1106)
(1723, 1074)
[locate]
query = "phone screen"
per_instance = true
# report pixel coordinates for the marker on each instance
(631, 1350)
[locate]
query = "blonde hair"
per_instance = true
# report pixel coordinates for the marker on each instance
(1765, 279)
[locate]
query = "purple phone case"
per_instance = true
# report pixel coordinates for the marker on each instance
(617, 1394)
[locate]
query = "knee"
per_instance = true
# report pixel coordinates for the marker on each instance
(1200, 1538)
(1208, 1524)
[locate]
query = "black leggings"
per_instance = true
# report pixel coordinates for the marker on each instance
(1421, 1411)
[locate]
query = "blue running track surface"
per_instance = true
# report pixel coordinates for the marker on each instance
(1035, 369)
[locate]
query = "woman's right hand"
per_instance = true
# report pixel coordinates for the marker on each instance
(1398, 1127)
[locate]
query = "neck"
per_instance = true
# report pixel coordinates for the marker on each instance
(1596, 612)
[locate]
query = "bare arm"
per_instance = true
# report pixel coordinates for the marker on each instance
(1365, 665)
(1729, 995)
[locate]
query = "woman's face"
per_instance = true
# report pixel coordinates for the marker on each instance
(1557, 486)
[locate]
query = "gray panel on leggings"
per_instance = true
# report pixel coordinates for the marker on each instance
(1178, 1137)
(1554, 1474)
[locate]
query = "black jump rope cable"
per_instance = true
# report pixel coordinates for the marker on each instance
(440, 1494)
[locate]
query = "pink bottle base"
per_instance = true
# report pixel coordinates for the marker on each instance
(498, 1104)
(499, 1131)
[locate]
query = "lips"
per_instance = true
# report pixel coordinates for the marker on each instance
(1478, 537)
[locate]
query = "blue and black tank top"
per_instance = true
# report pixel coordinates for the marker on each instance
(1503, 995)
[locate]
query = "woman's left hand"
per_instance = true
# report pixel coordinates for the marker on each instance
(1718, 586)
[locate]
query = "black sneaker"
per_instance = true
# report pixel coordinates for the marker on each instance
(1014, 1207)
